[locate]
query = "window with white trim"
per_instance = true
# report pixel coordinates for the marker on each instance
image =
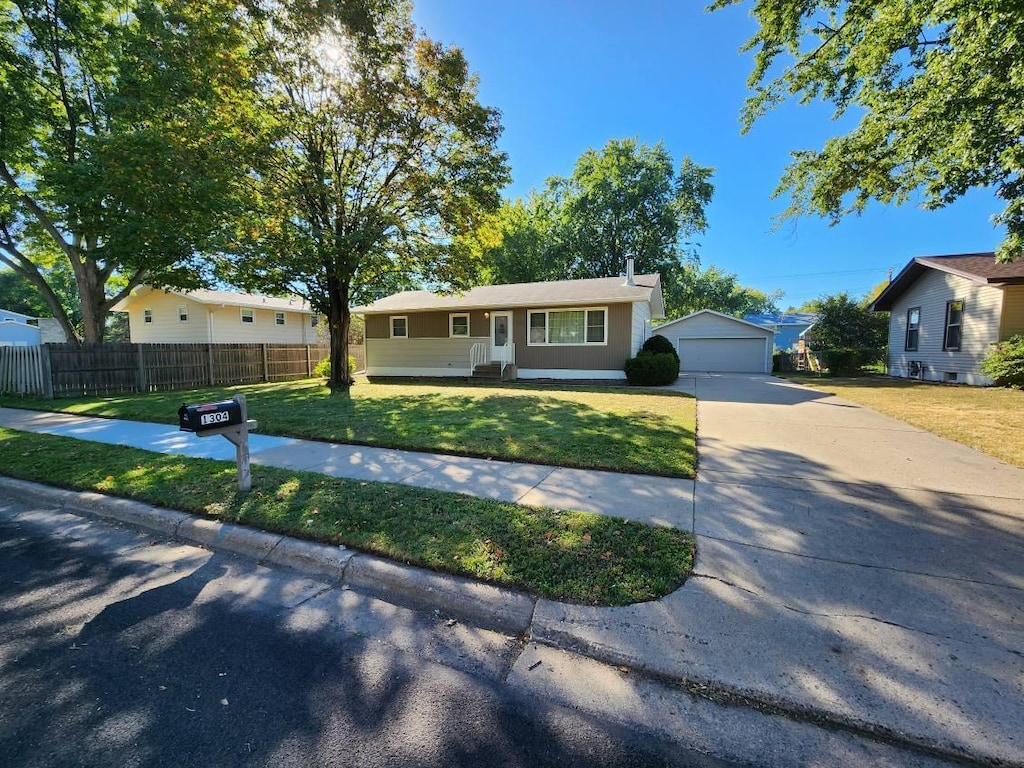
(248, 317)
(147, 315)
(954, 325)
(913, 328)
(182, 313)
(400, 327)
(568, 327)
(458, 325)
(279, 318)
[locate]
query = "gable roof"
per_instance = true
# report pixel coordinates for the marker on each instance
(224, 298)
(782, 318)
(981, 268)
(12, 313)
(761, 328)
(554, 293)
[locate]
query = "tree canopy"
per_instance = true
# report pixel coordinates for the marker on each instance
(122, 130)
(381, 158)
(937, 86)
(845, 323)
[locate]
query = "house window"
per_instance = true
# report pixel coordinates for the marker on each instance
(279, 318)
(248, 316)
(182, 313)
(399, 327)
(954, 325)
(147, 315)
(458, 325)
(913, 328)
(314, 321)
(570, 326)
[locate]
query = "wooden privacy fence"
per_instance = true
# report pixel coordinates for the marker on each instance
(21, 371)
(69, 370)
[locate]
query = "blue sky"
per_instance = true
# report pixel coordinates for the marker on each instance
(569, 75)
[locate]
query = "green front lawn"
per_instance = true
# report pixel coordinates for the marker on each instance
(613, 428)
(563, 555)
(990, 419)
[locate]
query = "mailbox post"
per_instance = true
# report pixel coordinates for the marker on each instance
(228, 418)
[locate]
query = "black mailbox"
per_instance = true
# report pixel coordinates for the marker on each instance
(207, 416)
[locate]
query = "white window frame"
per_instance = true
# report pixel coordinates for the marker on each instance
(547, 327)
(183, 313)
(280, 319)
(391, 326)
(451, 325)
(242, 315)
(147, 316)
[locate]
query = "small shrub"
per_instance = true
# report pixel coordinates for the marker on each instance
(652, 369)
(323, 368)
(660, 345)
(783, 362)
(844, 361)
(1004, 363)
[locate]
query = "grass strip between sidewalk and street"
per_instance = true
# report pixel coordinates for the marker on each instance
(564, 555)
(615, 428)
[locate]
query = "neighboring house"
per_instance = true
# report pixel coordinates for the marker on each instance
(788, 326)
(217, 317)
(568, 329)
(16, 330)
(710, 341)
(947, 311)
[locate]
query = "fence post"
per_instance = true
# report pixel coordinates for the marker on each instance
(309, 362)
(209, 363)
(142, 368)
(266, 367)
(47, 371)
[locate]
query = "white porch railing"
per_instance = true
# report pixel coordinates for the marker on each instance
(506, 356)
(479, 354)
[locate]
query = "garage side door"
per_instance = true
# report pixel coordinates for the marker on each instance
(725, 355)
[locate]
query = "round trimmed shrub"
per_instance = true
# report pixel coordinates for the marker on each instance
(1004, 363)
(660, 345)
(652, 369)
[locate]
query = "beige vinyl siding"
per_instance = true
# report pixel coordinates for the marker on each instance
(641, 327)
(586, 357)
(418, 357)
(227, 327)
(1013, 312)
(426, 325)
(930, 292)
(166, 328)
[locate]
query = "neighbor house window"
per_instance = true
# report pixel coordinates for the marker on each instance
(279, 318)
(248, 316)
(954, 325)
(182, 313)
(569, 326)
(314, 321)
(147, 315)
(399, 327)
(458, 325)
(913, 328)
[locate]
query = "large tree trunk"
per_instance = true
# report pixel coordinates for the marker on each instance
(339, 320)
(91, 297)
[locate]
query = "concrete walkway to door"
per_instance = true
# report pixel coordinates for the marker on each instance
(850, 566)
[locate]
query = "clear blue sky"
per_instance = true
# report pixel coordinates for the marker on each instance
(569, 75)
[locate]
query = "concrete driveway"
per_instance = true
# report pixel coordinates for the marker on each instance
(849, 565)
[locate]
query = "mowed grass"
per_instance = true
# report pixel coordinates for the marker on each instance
(563, 555)
(613, 428)
(989, 419)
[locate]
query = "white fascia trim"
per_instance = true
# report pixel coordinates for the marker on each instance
(389, 370)
(567, 373)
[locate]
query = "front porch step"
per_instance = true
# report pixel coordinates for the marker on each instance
(492, 372)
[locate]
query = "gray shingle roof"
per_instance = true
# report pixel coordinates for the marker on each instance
(978, 267)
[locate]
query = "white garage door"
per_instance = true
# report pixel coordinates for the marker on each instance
(731, 355)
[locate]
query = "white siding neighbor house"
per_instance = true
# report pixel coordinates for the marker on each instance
(564, 329)
(218, 317)
(711, 341)
(947, 311)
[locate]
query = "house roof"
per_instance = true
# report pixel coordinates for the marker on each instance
(981, 268)
(759, 327)
(547, 294)
(782, 318)
(16, 314)
(225, 298)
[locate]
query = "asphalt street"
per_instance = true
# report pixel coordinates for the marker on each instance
(171, 659)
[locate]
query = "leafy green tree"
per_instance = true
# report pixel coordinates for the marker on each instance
(937, 88)
(383, 157)
(19, 295)
(122, 130)
(845, 323)
(692, 288)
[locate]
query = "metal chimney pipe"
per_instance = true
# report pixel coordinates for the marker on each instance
(629, 270)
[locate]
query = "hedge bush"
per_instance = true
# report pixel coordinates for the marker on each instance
(843, 361)
(323, 368)
(1004, 364)
(652, 368)
(660, 345)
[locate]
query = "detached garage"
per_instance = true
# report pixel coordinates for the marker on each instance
(710, 341)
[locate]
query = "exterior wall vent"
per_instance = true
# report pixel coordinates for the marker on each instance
(915, 369)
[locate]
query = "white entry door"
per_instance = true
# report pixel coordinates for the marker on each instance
(501, 334)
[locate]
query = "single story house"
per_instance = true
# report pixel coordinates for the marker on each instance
(217, 317)
(711, 341)
(16, 330)
(947, 311)
(788, 326)
(564, 329)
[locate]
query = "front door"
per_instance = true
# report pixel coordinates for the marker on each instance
(501, 334)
